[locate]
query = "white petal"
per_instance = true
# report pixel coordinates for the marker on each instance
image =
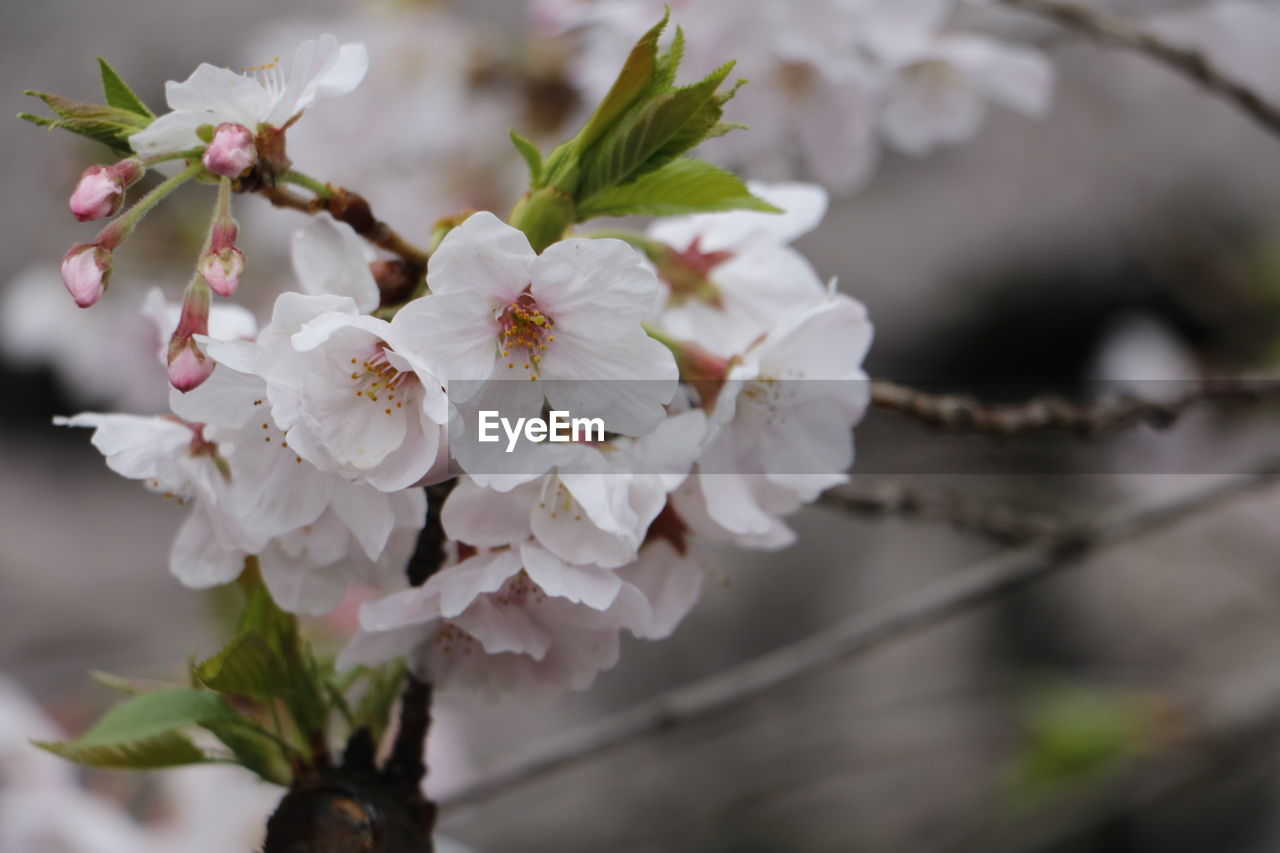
(199, 557)
(484, 573)
(484, 255)
(329, 257)
(603, 285)
(452, 335)
(595, 587)
(487, 518)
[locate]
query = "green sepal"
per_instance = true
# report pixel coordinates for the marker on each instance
(253, 750)
(118, 93)
(681, 187)
(532, 157)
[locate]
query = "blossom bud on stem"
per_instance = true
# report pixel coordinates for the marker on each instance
(232, 151)
(101, 189)
(188, 366)
(86, 270)
(704, 370)
(221, 263)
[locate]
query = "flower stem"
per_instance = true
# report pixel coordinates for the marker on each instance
(119, 230)
(320, 188)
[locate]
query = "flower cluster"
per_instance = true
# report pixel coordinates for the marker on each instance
(830, 79)
(724, 374)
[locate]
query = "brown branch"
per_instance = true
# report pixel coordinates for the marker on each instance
(351, 208)
(963, 413)
(961, 592)
(996, 521)
(1185, 61)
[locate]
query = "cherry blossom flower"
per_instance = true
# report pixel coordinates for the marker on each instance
(729, 276)
(499, 310)
(269, 97)
(781, 430)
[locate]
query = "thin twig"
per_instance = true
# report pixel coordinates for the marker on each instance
(994, 520)
(962, 413)
(1190, 63)
(959, 593)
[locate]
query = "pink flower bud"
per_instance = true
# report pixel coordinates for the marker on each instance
(86, 270)
(101, 189)
(223, 269)
(97, 195)
(189, 367)
(231, 151)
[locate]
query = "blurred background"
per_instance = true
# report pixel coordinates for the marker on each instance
(1131, 233)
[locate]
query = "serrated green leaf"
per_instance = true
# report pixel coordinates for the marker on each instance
(649, 137)
(664, 72)
(171, 749)
(635, 77)
(681, 187)
(248, 666)
(118, 93)
(150, 715)
(254, 750)
(108, 125)
(532, 157)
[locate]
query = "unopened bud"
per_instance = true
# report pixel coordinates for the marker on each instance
(188, 366)
(223, 270)
(231, 152)
(86, 270)
(101, 189)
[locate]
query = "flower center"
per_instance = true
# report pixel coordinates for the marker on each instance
(525, 332)
(270, 75)
(379, 381)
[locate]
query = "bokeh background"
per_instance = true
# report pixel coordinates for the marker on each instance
(1132, 704)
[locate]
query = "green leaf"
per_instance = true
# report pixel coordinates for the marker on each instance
(152, 714)
(166, 750)
(636, 76)
(681, 187)
(119, 94)
(110, 126)
(254, 750)
(648, 138)
(532, 156)
(247, 667)
(115, 682)
(145, 731)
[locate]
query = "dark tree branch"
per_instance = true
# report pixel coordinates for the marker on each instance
(1185, 61)
(996, 521)
(962, 413)
(961, 592)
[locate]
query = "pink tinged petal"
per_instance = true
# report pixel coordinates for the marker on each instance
(931, 105)
(217, 95)
(407, 609)
(483, 255)
(137, 447)
(826, 342)
(189, 367)
(413, 459)
(671, 582)
(330, 258)
(602, 287)
(231, 152)
(504, 628)
(222, 270)
(593, 586)
(460, 585)
(453, 336)
(368, 513)
(564, 530)
(99, 193)
(226, 400)
(370, 648)
(301, 585)
(201, 558)
(617, 366)
(487, 518)
(1015, 77)
(85, 270)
